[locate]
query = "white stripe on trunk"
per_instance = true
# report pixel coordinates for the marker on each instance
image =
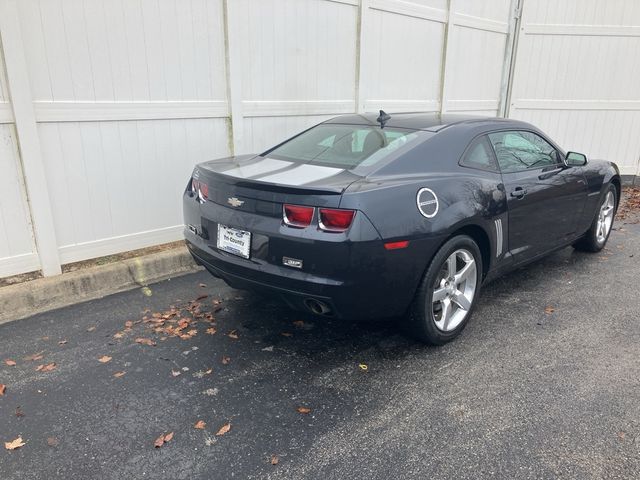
(258, 168)
(302, 175)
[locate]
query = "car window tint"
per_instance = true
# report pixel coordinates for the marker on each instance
(479, 156)
(345, 146)
(521, 150)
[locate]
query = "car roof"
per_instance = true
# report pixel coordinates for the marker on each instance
(432, 122)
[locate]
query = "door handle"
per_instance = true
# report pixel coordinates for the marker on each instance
(518, 192)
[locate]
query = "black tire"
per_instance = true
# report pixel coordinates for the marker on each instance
(420, 321)
(589, 241)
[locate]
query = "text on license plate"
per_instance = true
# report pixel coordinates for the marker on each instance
(235, 241)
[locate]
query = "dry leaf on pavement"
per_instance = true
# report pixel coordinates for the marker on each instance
(549, 310)
(3, 388)
(233, 334)
(226, 360)
(62, 342)
(162, 439)
(175, 373)
(104, 359)
(34, 357)
(303, 410)
(52, 441)
(200, 424)
(224, 429)
(211, 331)
(119, 374)
(17, 443)
(46, 368)
(10, 362)
(287, 334)
(274, 459)
(146, 341)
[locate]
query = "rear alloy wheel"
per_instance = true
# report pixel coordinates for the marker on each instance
(596, 237)
(448, 292)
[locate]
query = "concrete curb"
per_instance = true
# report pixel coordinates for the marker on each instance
(44, 294)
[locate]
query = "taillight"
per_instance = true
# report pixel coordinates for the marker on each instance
(297, 215)
(201, 189)
(335, 220)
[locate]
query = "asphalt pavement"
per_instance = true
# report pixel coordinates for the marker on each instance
(543, 383)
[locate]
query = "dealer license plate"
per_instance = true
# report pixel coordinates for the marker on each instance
(235, 241)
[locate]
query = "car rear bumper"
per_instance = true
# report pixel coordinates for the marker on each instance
(386, 293)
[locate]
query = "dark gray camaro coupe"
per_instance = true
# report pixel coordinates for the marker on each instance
(396, 216)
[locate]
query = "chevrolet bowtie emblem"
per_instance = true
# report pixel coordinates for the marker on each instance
(235, 202)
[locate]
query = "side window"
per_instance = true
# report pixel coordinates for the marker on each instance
(520, 150)
(480, 156)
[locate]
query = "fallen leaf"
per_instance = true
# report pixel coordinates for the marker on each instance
(303, 410)
(19, 412)
(10, 362)
(159, 441)
(549, 310)
(17, 443)
(201, 297)
(128, 324)
(91, 329)
(3, 388)
(119, 374)
(200, 424)
(274, 459)
(621, 435)
(46, 368)
(175, 373)
(364, 367)
(146, 341)
(208, 371)
(62, 342)
(299, 323)
(211, 331)
(104, 359)
(162, 439)
(224, 429)
(226, 360)
(203, 285)
(233, 334)
(52, 441)
(118, 335)
(34, 357)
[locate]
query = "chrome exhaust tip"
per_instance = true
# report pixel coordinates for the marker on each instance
(317, 307)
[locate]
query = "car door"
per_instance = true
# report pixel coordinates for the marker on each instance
(544, 197)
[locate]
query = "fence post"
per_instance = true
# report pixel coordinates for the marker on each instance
(28, 139)
(233, 57)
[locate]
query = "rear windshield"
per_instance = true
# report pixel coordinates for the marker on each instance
(345, 146)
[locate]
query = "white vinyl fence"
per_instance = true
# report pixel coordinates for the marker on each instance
(106, 105)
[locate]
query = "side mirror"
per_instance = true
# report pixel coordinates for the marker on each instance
(575, 159)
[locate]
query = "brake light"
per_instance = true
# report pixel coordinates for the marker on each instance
(297, 215)
(335, 220)
(200, 188)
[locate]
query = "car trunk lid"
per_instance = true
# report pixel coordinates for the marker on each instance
(262, 185)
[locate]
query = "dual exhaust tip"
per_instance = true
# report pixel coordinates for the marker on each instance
(318, 307)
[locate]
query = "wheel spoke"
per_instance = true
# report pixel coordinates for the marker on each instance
(446, 313)
(439, 294)
(461, 300)
(451, 264)
(463, 274)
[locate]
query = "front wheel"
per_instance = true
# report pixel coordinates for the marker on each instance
(596, 237)
(448, 292)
